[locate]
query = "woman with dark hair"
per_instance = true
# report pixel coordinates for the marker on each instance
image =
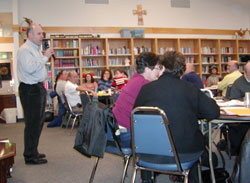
(89, 82)
(183, 104)
(213, 79)
(147, 70)
(59, 90)
(105, 82)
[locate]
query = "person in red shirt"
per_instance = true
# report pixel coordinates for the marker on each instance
(120, 79)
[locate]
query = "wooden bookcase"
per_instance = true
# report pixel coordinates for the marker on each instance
(94, 54)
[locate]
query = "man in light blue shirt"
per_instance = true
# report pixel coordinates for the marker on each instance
(31, 71)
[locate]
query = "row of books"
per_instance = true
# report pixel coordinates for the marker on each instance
(65, 53)
(208, 50)
(92, 50)
(209, 60)
(186, 50)
(66, 63)
(138, 50)
(65, 44)
(161, 51)
(243, 50)
(93, 62)
(48, 84)
(116, 61)
(227, 50)
(97, 72)
(205, 69)
(225, 59)
(119, 51)
(189, 60)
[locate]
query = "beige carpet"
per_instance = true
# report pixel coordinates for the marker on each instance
(65, 165)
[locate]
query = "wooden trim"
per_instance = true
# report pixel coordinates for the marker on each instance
(148, 30)
(6, 39)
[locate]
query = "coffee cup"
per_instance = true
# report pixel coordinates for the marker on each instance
(247, 99)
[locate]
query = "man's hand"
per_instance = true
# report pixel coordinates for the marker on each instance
(49, 52)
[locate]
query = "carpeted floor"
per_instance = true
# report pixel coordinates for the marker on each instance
(65, 165)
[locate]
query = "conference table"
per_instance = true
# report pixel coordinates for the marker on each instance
(231, 113)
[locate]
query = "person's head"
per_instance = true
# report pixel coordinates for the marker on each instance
(118, 72)
(106, 75)
(189, 68)
(73, 77)
(89, 78)
(173, 62)
(232, 66)
(213, 70)
(147, 65)
(247, 70)
(62, 75)
(35, 34)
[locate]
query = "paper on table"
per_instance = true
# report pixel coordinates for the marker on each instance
(240, 111)
(230, 103)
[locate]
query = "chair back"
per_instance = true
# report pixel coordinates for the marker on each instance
(85, 98)
(67, 105)
(208, 92)
(228, 93)
(151, 134)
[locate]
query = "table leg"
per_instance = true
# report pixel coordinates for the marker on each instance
(210, 152)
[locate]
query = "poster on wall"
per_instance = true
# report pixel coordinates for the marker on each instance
(5, 71)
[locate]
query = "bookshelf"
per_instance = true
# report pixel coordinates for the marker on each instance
(95, 54)
(190, 48)
(120, 54)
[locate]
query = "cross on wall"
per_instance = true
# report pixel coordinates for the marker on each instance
(140, 14)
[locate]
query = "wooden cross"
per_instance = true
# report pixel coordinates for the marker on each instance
(140, 12)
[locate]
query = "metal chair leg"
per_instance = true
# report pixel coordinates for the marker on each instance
(69, 117)
(73, 124)
(93, 171)
(126, 161)
(134, 175)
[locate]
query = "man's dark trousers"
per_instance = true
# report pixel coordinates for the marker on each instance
(33, 99)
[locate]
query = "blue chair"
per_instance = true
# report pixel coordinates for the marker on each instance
(152, 141)
(113, 147)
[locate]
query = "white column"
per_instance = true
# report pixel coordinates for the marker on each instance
(15, 48)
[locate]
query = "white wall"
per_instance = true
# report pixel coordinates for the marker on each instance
(214, 14)
(5, 6)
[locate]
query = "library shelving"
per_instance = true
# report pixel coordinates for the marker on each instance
(94, 54)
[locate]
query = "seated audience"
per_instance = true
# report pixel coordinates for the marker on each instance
(234, 73)
(191, 76)
(72, 92)
(89, 82)
(213, 79)
(147, 69)
(242, 84)
(59, 88)
(237, 132)
(183, 105)
(105, 82)
(120, 79)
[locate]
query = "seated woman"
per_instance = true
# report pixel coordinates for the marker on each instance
(105, 83)
(89, 82)
(120, 79)
(147, 69)
(213, 79)
(59, 89)
(183, 105)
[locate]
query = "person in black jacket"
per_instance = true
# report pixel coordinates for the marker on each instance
(183, 103)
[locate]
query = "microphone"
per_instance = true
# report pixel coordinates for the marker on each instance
(46, 46)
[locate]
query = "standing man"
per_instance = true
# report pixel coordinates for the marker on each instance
(234, 73)
(32, 72)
